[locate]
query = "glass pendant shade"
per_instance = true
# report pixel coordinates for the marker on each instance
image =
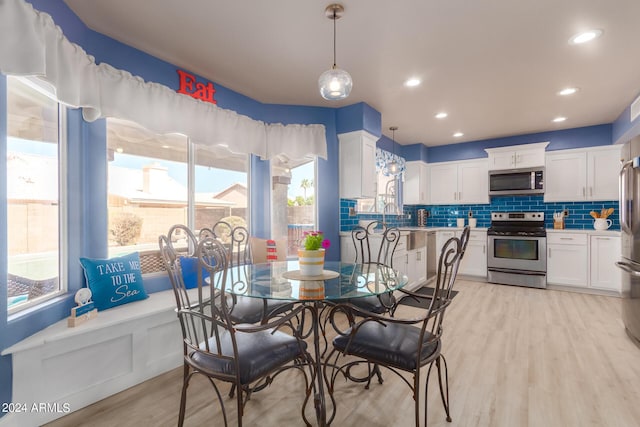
(393, 167)
(335, 84)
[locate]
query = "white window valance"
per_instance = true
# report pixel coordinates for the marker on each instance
(32, 45)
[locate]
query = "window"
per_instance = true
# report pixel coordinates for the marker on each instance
(221, 187)
(34, 146)
(149, 190)
(293, 197)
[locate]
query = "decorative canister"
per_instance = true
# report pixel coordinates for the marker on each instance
(422, 217)
(311, 262)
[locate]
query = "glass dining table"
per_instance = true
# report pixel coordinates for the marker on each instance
(339, 282)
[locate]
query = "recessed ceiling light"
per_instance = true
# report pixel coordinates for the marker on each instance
(119, 150)
(412, 82)
(458, 134)
(586, 36)
(165, 146)
(441, 115)
(559, 119)
(568, 91)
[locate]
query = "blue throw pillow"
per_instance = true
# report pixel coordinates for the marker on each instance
(189, 268)
(114, 281)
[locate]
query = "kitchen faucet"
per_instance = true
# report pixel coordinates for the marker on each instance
(384, 211)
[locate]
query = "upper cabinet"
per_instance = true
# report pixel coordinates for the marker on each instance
(357, 165)
(416, 184)
(517, 156)
(582, 174)
(460, 182)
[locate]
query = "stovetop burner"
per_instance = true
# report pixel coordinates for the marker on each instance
(525, 224)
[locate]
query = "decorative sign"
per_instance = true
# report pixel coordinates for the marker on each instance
(189, 86)
(85, 309)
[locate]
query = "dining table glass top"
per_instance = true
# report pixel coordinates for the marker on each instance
(282, 280)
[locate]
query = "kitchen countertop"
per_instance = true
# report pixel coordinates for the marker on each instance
(407, 229)
(589, 231)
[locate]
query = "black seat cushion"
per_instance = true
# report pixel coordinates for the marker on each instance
(391, 344)
(251, 310)
(374, 304)
(258, 353)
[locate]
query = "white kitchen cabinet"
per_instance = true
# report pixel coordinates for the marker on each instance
(416, 182)
(517, 156)
(604, 252)
(587, 174)
(443, 183)
(441, 238)
(417, 266)
(357, 165)
(567, 259)
(474, 262)
(459, 182)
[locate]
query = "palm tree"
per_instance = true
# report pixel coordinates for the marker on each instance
(305, 184)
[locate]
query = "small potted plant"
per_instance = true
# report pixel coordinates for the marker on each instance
(311, 257)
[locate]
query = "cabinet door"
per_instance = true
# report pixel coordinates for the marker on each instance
(474, 262)
(357, 165)
(368, 168)
(473, 182)
(605, 251)
(443, 184)
(565, 177)
(529, 158)
(415, 184)
(502, 160)
(417, 268)
(400, 262)
(441, 239)
(603, 167)
(567, 264)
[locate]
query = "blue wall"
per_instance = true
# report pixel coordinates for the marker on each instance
(623, 128)
(589, 136)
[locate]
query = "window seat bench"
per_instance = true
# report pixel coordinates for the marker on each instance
(70, 368)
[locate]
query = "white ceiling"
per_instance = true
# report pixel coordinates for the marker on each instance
(494, 65)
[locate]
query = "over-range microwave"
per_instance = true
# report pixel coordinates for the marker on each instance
(516, 181)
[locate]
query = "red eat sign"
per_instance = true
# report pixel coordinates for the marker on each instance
(189, 86)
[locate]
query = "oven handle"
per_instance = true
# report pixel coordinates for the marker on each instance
(625, 266)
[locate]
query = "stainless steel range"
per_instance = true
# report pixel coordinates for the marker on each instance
(517, 249)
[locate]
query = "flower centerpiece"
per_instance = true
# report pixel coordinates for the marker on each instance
(311, 258)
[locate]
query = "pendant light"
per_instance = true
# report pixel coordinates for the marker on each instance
(334, 84)
(393, 167)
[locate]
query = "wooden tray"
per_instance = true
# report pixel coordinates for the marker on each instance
(295, 275)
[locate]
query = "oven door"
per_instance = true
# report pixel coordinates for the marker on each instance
(517, 253)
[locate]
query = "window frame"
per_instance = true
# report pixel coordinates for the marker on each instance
(63, 240)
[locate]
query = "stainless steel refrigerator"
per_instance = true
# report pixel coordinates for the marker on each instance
(630, 227)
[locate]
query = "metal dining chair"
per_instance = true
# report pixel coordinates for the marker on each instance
(247, 356)
(403, 346)
(245, 309)
(388, 243)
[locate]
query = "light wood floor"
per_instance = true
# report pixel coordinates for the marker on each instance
(517, 357)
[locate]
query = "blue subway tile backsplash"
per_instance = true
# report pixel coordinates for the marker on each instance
(446, 215)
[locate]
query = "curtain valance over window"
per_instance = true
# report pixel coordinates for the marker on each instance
(32, 45)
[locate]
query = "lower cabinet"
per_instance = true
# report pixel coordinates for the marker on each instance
(567, 259)
(583, 261)
(474, 262)
(605, 251)
(417, 266)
